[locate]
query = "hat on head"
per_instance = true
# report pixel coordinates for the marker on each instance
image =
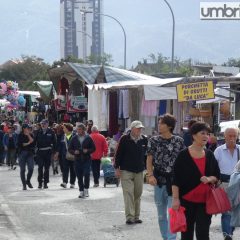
(25, 125)
(136, 124)
(44, 121)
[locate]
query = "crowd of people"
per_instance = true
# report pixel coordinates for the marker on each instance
(181, 169)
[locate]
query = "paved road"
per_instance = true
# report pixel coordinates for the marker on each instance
(59, 214)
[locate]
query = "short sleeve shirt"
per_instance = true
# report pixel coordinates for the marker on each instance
(164, 153)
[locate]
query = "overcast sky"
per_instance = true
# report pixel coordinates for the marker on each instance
(31, 27)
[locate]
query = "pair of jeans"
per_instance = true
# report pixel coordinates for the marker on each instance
(197, 219)
(96, 170)
(68, 166)
(227, 229)
(26, 159)
(44, 162)
(82, 170)
(163, 202)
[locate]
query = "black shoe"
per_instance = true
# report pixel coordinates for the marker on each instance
(138, 221)
(29, 184)
(227, 237)
(40, 186)
(24, 187)
(45, 186)
(130, 222)
(14, 168)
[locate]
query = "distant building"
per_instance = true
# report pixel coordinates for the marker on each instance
(81, 34)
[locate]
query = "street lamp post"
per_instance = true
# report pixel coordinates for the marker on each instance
(124, 33)
(173, 33)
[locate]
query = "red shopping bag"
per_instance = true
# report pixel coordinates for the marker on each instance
(177, 220)
(217, 201)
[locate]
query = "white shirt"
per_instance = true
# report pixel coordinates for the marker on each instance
(226, 161)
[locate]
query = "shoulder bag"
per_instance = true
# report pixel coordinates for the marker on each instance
(69, 156)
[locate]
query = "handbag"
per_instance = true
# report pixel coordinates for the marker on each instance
(69, 156)
(178, 221)
(217, 201)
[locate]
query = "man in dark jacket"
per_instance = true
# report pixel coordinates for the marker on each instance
(82, 146)
(46, 146)
(129, 166)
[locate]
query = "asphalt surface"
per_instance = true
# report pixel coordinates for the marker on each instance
(57, 213)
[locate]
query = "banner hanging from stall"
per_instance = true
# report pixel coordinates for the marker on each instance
(77, 104)
(195, 91)
(60, 103)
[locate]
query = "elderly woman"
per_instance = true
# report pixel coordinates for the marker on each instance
(194, 170)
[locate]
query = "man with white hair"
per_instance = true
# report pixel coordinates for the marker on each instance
(101, 150)
(227, 156)
(129, 165)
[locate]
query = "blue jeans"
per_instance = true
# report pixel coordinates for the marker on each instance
(26, 158)
(163, 202)
(225, 222)
(82, 170)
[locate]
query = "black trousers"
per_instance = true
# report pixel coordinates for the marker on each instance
(197, 219)
(44, 162)
(96, 170)
(68, 166)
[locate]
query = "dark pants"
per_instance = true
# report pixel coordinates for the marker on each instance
(82, 169)
(96, 170)
(68, 166)
(61, 159)
(197, 218)
(43, 161)
(26, 158)
(2, 155)
(11, 157)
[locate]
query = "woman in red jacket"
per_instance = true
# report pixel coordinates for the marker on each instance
(101, 150)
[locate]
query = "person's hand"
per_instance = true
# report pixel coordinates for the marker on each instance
(204, 179)
(117, 173)
(152, 180)
(175, 203)
(76, 152)
(55, 157)
(85, 150)
(5, 148)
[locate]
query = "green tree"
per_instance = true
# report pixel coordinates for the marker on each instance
(72, 59)
(28, 70)
(105, 60)
(232, 62)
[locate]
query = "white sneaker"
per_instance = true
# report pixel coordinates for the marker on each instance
(86, 194)
(72, 186)
(81, 194)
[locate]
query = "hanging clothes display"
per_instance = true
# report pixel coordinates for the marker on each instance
(149, 108)
(134, 104)
(63, 86)
(123, 104)
(149, 112)
(113, 113)
(162, 107)
(97, 104)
